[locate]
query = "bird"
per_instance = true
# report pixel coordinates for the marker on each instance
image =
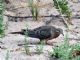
(42, 32)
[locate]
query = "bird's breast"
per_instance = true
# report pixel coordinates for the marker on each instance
(54, 35)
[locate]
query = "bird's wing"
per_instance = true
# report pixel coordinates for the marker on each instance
(43, 33)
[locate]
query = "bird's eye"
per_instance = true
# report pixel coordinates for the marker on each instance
(57, 31)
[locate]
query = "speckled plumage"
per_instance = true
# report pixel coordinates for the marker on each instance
(42, 32)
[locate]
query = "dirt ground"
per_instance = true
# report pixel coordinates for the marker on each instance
(10, 41)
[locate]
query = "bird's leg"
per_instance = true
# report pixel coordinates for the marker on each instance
(42, 42)
(46, 42)
(49, 43)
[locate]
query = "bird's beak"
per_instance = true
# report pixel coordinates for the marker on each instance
(62, 34)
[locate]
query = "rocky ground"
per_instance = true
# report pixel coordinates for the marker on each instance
(10, 41)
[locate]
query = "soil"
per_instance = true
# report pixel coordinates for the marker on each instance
(10, 41)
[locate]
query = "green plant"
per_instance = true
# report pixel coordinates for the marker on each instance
(2, 8)
(26, 43)
(39, 48)
(63, 4)
(63, 51)
(77, 46)
(76, 51)
(76, 58)
(34, 9)
(63, 8)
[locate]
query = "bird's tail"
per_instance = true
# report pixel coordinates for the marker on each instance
(22, 32)
(30, 33)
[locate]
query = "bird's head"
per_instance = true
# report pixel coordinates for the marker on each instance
(60, 31)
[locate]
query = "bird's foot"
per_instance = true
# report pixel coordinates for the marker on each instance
(51, 43)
